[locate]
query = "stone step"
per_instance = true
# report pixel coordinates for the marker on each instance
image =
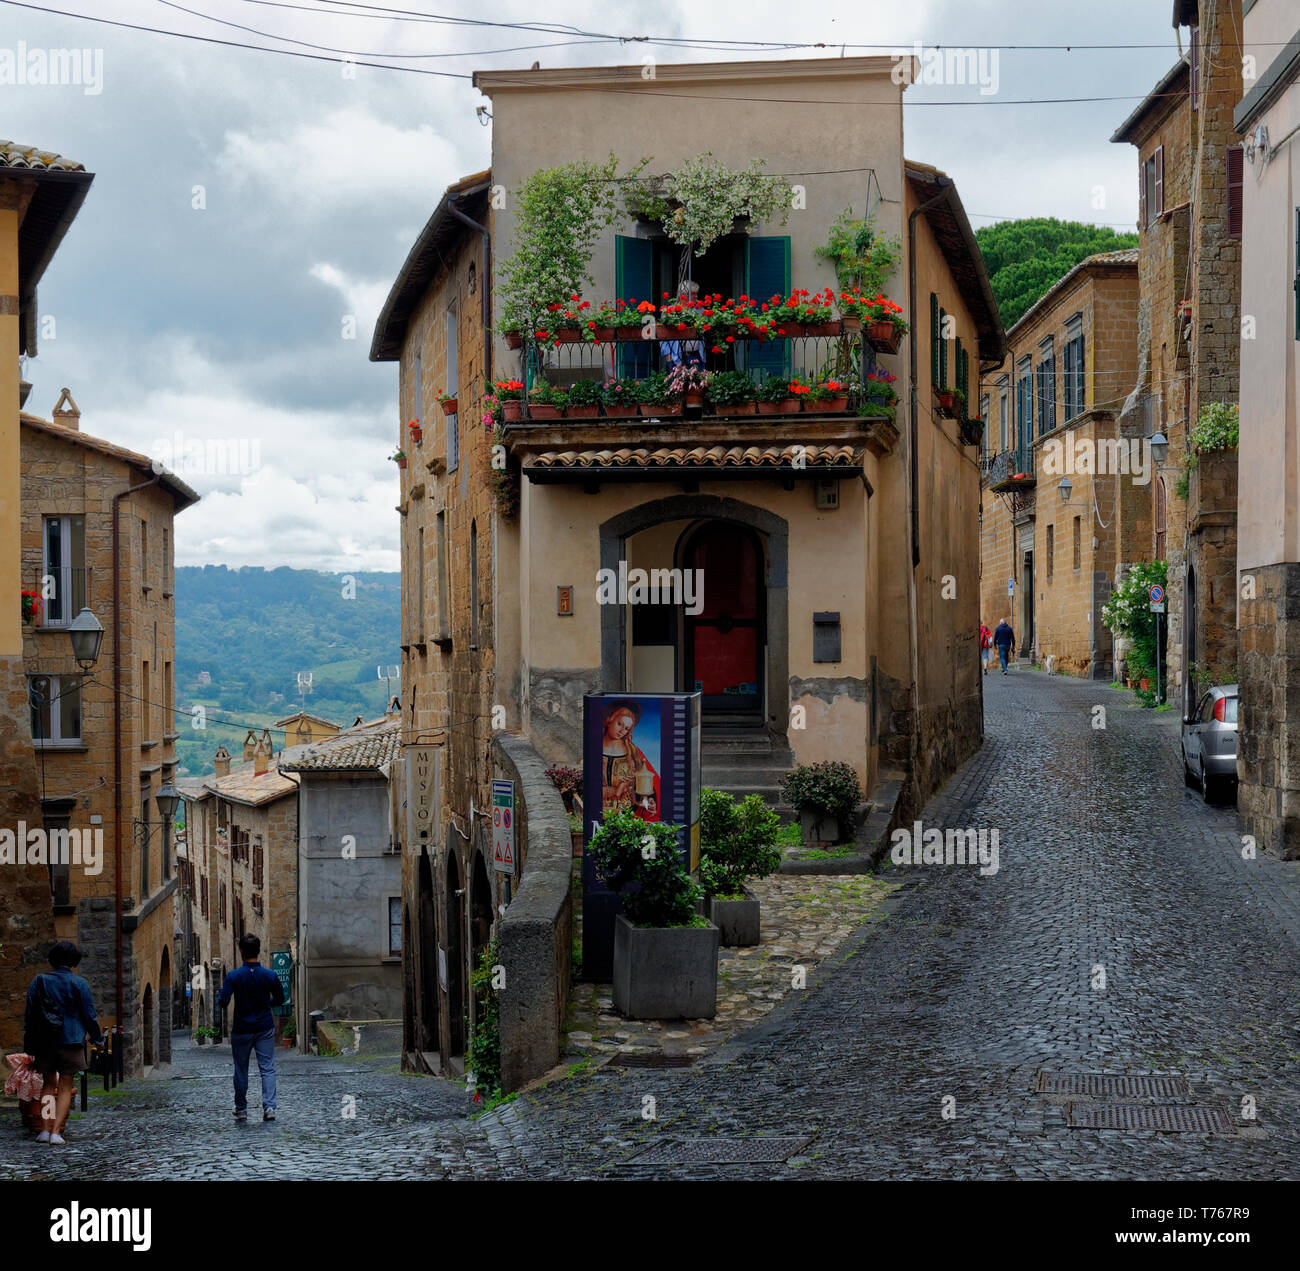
(747, 777)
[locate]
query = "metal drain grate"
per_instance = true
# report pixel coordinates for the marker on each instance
(652, 1059)
(1109, 1086)
(1180, 1118)
(757, 1151)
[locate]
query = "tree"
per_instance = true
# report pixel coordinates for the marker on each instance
(1026, 259)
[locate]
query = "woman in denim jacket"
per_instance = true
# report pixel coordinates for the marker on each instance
(60, 1019)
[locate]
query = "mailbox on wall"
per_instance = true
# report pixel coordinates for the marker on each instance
(826, 637)
(641, 753)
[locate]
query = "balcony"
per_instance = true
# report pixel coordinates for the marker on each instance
(1012, 470)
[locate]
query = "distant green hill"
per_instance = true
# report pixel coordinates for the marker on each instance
(1026, 259)
(252, 630)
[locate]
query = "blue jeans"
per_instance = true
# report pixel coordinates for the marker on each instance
(241, 1045)
(1003, 650)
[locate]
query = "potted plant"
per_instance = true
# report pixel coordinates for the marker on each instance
(827, 397)
(619, 397)
(583, 400)
(732, 393)
(689, 383)
(32, 608)
(972, 430)
(775, 397)
(575, 833)
(656, 396)
(665, 954)
(510, 393)
(883, 323)
(399, 458)
(737, 843)
(946, 402)
(448, 403)
(545, 401)
(600, 325)
(825, 795)
(416, 431)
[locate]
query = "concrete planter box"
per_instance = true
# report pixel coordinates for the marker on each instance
(736, 920)
(665, 972)
(818, 828)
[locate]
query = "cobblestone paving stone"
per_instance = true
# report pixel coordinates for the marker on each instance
(805, 918)
(965, 987)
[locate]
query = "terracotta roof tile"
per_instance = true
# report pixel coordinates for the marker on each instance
(369, 746)
(13, 155)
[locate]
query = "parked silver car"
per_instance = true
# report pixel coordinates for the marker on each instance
(1210, 743)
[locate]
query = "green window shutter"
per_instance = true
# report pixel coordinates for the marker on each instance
(943, 353)
(767, 273)
(957, 360)
(633, 280)
(934, 340)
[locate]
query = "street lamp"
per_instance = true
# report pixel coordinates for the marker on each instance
(168, 799)
(86, 635)
(1065, 488)
(1159, 444)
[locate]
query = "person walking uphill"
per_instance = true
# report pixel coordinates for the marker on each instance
(59, 1019)
(1003, 639)
(255, 990)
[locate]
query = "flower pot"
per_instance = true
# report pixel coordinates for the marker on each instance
(832, 405)
(567, 335)
(665, 972)
(793, 330)
(401, 464)
(199, 1040)
(629, 333)
(737, 921)
(1144, 684)
(786, 406)
(738, 408)
(603, 335)
(694, 400)
(818, 828)
(577, 843)
(852, 325)
(543, 410)
(449, 406)
(946, 402)
(883, 336)
(510, 411)
(831, 327)
(513, 339)
(651, 410)
(416, 435)
(591, 411)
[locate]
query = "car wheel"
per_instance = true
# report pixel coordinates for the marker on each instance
(1209, 786)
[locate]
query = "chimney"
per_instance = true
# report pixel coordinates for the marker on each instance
(221, 761)
(250, 745)
(69, 416)
(262, 753)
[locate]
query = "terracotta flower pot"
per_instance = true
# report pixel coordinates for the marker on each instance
(603, 335)
(793, 330)
(567, 335)
(543, 410)
(513, 339)
(693, 400)
(651, 409)
(449, 406)
(401, 464)
(883, 336)
(510, 411)
(738, 408)
(1144, 684)
(852, 325)
(416, 434)
(582, 412)
(832, 405)
(831, 327)
(786, 406)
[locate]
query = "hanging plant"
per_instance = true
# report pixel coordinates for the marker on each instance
(561, 213)
(863, 258)
(702, 200)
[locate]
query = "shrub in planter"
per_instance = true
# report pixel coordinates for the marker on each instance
(546, 402)
(825, 795)
(665, 955)
(688, 384)
(732, 393)
(657, 395)
(737, 843)
(583, 400)
(776, 398)
(619, 397)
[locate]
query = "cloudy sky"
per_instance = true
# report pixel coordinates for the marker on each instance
(227, 320)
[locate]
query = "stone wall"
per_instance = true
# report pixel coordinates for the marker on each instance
(537, 930)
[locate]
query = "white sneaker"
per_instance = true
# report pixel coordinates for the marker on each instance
(43, 1136)
(57, 1140)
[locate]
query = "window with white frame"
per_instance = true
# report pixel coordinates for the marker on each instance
(63, 558)
(56, 709)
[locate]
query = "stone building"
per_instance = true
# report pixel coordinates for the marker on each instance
(1189, 230)
(1061, 486)
(98, 533)
(1267, 120)
(40, 194)
(852, 604)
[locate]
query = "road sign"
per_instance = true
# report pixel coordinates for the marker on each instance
(1157, 606)
(503, 827)
(282, 965)
(1011, 586)
(1157, 593)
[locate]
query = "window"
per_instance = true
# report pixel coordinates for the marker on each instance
(64, 561)
(1004, 413)
(1073, 367)
(144, 552)
(145, 699)
(167, 561)
(444, 616)
(421, 595)
(168, 700)
(1194, 57)
(1024, 405)
(60, 873)
(1160, 518)
(56, 709)
(453, 378)
(394, 926)
(203, 894)
(417, 389)
(146, 833)
(1047, 387)
(984, 415)
(1151, 192)
(1078, 544)
(943, 349)
(1051, 550)
(935, 340)
(258, 862)
(473, 584)
(1234, 192)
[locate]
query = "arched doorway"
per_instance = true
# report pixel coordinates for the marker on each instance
(165, 1009)
(724, 643)
(426, 1038)
(147, 1026)
(455, 938)
(1190, 651)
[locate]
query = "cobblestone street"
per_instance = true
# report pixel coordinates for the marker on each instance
(965, 990)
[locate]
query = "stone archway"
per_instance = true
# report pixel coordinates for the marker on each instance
(148, 1026)
(426, 942)
(165, 1008)
(454, 935)
(705, 507)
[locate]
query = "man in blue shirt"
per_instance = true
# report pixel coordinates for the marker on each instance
(255, 990)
